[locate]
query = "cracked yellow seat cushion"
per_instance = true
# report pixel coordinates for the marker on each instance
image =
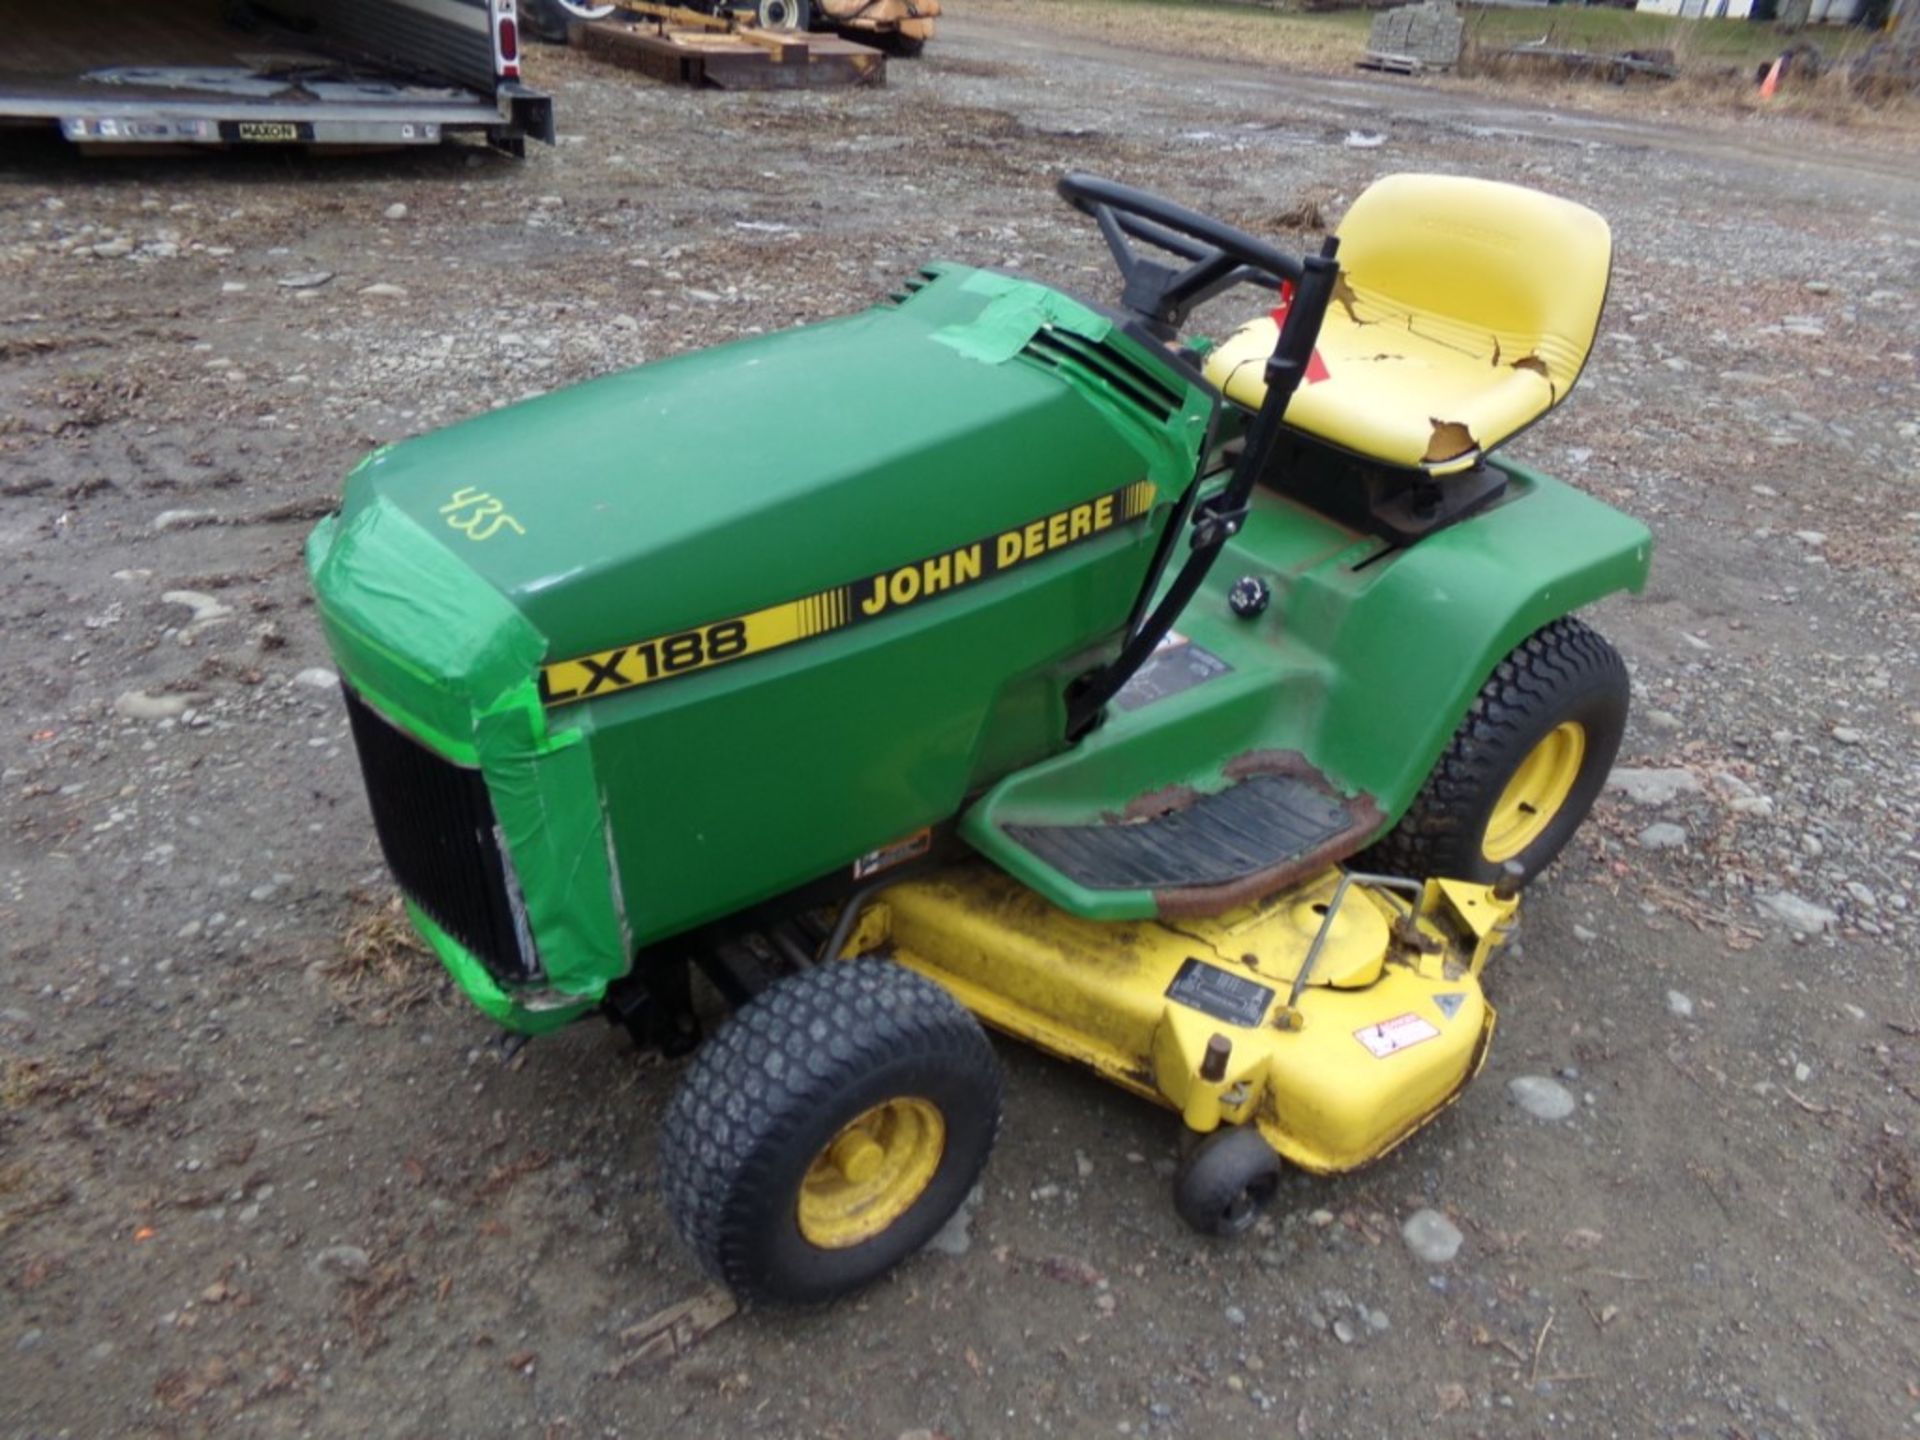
(1464, 312)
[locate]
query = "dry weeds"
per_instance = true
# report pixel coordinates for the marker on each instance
(1716, 79)
(382, 969)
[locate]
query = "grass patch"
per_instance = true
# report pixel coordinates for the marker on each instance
(1739, 45)
(1204, 27)
(1717, 59)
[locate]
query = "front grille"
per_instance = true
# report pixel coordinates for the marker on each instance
(437, 829)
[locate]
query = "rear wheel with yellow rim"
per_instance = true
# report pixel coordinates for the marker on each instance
(1525, 766)
(828, 1130)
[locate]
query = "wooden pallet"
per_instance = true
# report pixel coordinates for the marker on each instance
(1392, 64)
(745, 59)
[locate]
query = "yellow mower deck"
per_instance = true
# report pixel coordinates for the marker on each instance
(1390, 1026)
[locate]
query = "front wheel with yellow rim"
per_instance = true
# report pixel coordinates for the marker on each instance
(828, 1130)
(1525, 766)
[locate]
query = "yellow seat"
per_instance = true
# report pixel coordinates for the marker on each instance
(1464, 312)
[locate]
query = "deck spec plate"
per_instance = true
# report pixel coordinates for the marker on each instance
(1220, 993)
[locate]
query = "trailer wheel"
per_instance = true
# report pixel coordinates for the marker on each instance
(1226, 1181)
(1525, 766)
(548, 19)
(828, 1130)
(782, 14)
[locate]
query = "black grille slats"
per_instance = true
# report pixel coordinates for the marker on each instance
(441, 840)
(912, 286)
(1062, 350)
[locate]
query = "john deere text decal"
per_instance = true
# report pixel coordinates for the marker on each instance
(688, 651)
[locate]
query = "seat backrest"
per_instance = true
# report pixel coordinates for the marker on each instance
(1489, 268)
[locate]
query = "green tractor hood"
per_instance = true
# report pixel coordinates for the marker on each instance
(728, 479)
(498, 592)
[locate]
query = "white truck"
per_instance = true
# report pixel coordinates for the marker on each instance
(349, 73)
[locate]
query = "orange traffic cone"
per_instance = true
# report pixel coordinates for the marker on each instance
(1772, 82)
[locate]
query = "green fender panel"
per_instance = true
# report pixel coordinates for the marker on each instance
(1363, 666)
(1411, 649)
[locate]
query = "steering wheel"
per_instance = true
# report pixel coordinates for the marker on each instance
(1218, 256)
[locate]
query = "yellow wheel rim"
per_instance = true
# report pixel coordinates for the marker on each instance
(1536, 793)
(870, 1174)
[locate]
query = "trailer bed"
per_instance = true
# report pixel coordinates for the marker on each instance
(174, 71)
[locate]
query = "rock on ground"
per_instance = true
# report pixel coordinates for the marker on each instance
(1431, 1236)
(1663, 836)
(1542, 1098)
(1798, 913)
(1653, 787)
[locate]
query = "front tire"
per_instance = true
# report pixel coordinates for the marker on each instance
(1523, 769)
(828, 1130)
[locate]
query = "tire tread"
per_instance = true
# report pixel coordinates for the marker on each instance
(1564, 657)
(768, 1071)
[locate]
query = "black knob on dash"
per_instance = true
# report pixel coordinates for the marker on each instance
(1249, 596)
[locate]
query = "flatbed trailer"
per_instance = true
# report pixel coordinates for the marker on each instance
(347, 73)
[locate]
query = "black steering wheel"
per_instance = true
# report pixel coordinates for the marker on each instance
(1218, 256)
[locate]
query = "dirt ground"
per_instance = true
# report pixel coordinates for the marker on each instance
(261, 1174)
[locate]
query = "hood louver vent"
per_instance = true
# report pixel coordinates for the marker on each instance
(911, 286)
(1107, 366)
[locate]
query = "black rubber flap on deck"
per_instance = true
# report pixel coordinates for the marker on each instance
(1253, 826)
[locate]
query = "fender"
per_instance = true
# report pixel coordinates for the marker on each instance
(1418, 637)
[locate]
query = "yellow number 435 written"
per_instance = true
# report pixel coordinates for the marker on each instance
(479, 515)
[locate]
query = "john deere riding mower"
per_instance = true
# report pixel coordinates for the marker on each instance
(1193, 712)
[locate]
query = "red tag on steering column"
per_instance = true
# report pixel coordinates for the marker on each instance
(1316, 367)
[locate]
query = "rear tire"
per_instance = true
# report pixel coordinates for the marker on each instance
(828, 1130)
(1523, 769)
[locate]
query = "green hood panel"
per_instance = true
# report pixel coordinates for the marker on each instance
(979, 414)
(727, 479)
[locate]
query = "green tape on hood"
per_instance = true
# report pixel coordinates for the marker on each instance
(444, 655)
(1018, 309)
(435, 642)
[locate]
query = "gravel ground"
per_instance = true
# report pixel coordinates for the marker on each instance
(261, 1175)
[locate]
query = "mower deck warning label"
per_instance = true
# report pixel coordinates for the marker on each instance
(1390, 1037)
(1220, 993)
(686, 652)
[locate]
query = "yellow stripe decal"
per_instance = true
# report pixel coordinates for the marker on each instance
(687, 652)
